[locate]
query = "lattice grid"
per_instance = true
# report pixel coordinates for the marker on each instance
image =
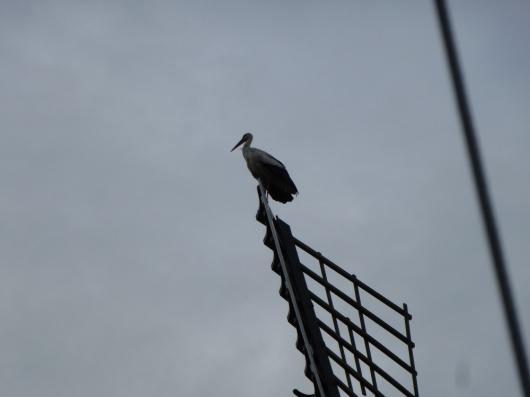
(355, 340)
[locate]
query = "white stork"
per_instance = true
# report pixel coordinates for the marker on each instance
(270, 171)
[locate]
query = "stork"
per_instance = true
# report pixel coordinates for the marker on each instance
(270, 171)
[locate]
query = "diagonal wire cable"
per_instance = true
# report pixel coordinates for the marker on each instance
(488, 217)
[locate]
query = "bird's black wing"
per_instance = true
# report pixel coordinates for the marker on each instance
(275, 177)
(280, 178)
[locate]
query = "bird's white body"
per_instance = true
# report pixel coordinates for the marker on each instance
(256, 158)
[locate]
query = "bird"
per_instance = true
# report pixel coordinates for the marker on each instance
(269, 171)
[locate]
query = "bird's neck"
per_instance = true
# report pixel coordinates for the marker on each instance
(246, 149)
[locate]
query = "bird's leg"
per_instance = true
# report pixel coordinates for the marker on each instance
(266, 191)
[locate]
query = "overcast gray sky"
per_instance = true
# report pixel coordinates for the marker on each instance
(131, 262)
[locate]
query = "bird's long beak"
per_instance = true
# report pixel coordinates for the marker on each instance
(237, 144)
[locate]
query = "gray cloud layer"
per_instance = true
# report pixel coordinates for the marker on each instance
(131, 263)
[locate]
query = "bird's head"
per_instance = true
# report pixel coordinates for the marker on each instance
(247, 138)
